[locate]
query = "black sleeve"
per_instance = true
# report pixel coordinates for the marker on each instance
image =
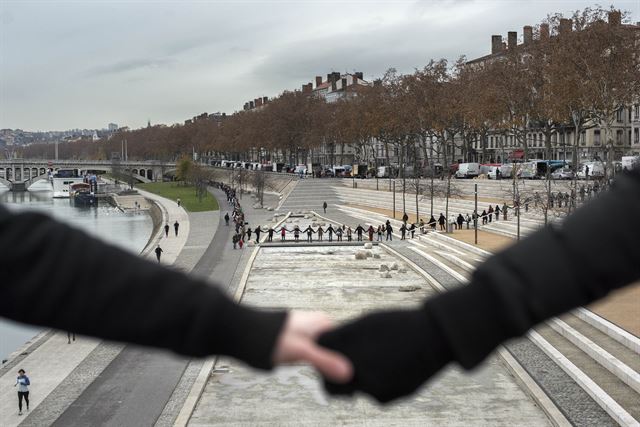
(554, 270)
(56, 276)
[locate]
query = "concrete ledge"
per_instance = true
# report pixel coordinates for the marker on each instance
(613, 331)
(605, 401)
(597, 353)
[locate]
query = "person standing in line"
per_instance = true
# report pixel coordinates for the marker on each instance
(460, 221)
(296, 233)
(320, 232)
(249, 230)
(490, 213)
(421, 225)
(348, 234)
(468, 220)
(270, 234)
(23, 383)
(309, 232)
(380, 233)
(158, 252)
(359, 231)
(226, 219)
(257, 232)
(283, 233)
(176, 226)
(412, 229)
(324, 206)
(179, 202)
(330, 231)
(339, 233)
(166, 229)
(432, 222)
(443, 222)
(483, 215)
(505, 208)
(371, 230)
(389, 231)
(403, 231)
(497, 212)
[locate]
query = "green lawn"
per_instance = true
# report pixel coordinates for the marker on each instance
(187, 195)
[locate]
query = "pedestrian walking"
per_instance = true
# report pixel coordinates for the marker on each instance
(176, 226)
(179, 202)
(158, 252)
(324, 206)
(405, 218)
(226, 219)
(442, 221)
(249, 233)
(70, 336)
(23, 383)
(166, 229)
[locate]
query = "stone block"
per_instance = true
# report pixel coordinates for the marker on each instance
(369, 254)
(394, 266)
(361, 254)
(368, 245)
(384, 267)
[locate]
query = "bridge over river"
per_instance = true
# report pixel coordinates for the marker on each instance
(20, 174)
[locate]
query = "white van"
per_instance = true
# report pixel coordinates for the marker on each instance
(596, 170)
(468, 170)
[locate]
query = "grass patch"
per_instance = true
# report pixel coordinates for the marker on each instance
(186, 193)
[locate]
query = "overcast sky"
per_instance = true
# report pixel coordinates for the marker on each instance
(85, 63)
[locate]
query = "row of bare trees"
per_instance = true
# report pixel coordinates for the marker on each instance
(574, 78)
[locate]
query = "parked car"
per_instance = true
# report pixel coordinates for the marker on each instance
(562, 173)
(468, 170)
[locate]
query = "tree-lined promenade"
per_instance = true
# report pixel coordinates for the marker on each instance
(574, 72)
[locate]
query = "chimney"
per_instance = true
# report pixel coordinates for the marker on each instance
(318, 80)
(265, 99)
(246, 106)
(496, 44)
(527, 34)
(329, 77)
(251, 105)
(544, 31)
(512, 37)
(307, 88)
(359, 75)
(336, 76)
(615, 17)
(565, 26)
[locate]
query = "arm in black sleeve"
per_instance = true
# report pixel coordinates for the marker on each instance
(553, 271)
(56, 276)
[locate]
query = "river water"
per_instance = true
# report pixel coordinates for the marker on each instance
(129, 231)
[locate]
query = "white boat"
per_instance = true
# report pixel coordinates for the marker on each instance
(62, 179)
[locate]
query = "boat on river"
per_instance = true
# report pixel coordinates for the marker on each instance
(82, 195)
(62, 179)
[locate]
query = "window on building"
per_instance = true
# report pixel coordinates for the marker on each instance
(619, 134)
(636, 136)
(596, 137)
(491, 142)
(636, 114)
(620, 115)
(583, 138)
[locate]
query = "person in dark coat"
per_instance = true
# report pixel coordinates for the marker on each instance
(443, 222)
(484, 217)
(389, 231)
(497, 212)
(226, 219)
(412, 229)
(257, 232)
(490, 213)
(324, 206)
(403, 231)
(310, 233)
(339, 233)
(166, 230)
(405, 218)
(330, 231)
(460, 221)
(432, 222)
(176, 225)
(158, 252)
(359, 230)
(320, 232)
(270, 234)
(371, 230)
